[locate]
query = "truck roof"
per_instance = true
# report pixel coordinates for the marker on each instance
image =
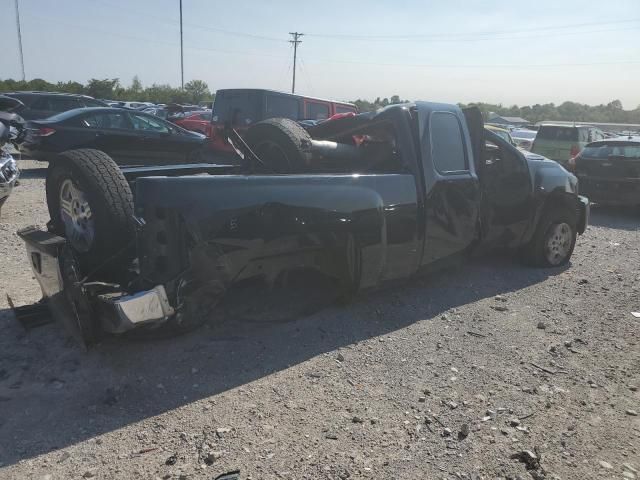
(266, 90)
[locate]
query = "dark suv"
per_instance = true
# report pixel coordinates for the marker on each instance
(39, 105)
(242, 107)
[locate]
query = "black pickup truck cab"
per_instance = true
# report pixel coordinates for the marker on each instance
(361, 201)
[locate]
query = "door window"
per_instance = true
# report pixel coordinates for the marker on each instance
(62, 104)
(110, 120)
(56, 104)
(317, 111)
(500, 159)
(447, 144)
(148, 124)
(281, 106)
(345, 109)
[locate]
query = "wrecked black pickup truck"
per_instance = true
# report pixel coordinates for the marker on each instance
(361, 201)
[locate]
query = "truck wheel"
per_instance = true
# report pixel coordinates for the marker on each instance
(281, 144)
(554, 239)
(90, 204)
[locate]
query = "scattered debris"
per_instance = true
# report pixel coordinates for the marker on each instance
(233, 475)
(147, 450)
(212, 457)
(464, 432)
(530, 459)
(476, 334)
(546, 370)
(340, 358)
(171, 460)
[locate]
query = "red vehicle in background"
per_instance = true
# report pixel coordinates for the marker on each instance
(239, 108)
(198, 121)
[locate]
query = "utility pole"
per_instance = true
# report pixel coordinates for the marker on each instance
(295, 43)
(181, 51)
(20, 41)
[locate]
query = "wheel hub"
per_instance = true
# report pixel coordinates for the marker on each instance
(558, 243)
(76, 215)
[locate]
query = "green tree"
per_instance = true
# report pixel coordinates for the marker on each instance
(105, 88)
(70, 87)
(197, 90)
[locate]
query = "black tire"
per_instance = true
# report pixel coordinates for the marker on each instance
(540, 251)
(109, 198)
(281, 144)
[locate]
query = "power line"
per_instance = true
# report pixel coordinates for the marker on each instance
(196, 25)
(465, 34)
(483, 39)
(295, 43)
(20, 40)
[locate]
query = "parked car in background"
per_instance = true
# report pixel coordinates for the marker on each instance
(133, 105)
(501, 132)
(563, 142)
(198, 121)
(39, 105)
(240, 108)
(609, 171)
(524, 138)
(129, 137)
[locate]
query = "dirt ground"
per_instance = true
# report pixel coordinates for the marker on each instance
(494, 370)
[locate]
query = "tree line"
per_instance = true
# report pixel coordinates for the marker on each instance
(194, 91)
(197, 91)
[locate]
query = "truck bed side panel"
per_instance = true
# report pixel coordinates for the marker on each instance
(359, 228)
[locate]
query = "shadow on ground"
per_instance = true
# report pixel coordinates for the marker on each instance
(53, 394)
(621, 218)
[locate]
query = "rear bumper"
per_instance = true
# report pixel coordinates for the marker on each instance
(611, 191)
(111, 311)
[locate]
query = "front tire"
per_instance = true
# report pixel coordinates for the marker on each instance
(554, 239)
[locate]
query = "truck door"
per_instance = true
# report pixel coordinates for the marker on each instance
(452, 190)
(507, 193)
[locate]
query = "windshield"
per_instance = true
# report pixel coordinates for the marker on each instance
(612, 150)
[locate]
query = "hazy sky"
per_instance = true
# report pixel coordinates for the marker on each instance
(451, 50)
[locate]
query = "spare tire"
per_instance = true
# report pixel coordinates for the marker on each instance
(281, 144)
(90, 204)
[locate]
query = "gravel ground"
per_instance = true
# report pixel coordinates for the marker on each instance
(491, 371)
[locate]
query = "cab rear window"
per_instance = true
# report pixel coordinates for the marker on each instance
(565, 134)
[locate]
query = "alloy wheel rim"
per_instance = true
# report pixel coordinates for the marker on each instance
(558, 243)
(76, 215)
